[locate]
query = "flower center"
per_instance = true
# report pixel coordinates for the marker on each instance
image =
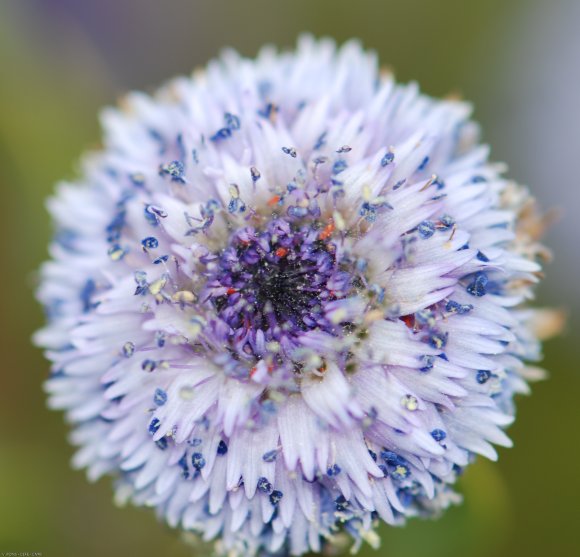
(276, 281)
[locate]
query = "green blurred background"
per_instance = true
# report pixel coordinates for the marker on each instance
(61, 60)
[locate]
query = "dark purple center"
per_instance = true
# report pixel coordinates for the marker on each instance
(276, 281)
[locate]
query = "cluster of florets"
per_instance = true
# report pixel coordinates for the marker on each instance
(285, 301)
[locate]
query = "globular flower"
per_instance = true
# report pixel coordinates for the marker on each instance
(286, 300)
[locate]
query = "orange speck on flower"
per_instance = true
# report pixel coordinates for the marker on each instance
(270, 369)
(231, 291)
(281, 252)
(327, 231)
(274, 200)
(408, 320)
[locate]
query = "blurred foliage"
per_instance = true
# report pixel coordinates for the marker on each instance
(61, 60)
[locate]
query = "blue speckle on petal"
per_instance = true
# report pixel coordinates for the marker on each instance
(438, 435)
(115, 227)
(340, 503)
(401, 472)
(140, 278)
(162, 443)
(446, 221)
(426, 229)
(197, 461)
(269, 111)
(368, 211)
(427, 363)
(149, 365)
(438, 183)
(276, 496)
(160, 397)
(154, 426)
(222, 448)
(455, 307)
(391, 458)
(174, 169)
(405, 497)
(87, 292)
(264, 485)
(150, 242)
(339, 166)
(334, 470)
(438, 339)
(321, 141)
(116, 252)
(232, 121)
(128, 349)
(270, 456)
(483, 376)
(255, 173)
(137, 179)
(298, 212)
(477, 286)
(388, 158)
(221, 134)
(153, 214)
(184, 468)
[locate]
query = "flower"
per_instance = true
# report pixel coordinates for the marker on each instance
(287, 300)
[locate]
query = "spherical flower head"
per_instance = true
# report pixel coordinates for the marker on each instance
(286, 300)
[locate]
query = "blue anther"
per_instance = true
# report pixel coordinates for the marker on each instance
(477, 286)
(426, 229)
(264, 485)
(438, 435)
(154, 426)
(483, 376)
(150, 242)
(276, 496)
(388, 158)
(197, 461)
(160, 397)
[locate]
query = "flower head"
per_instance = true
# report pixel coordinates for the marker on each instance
(285, 300)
